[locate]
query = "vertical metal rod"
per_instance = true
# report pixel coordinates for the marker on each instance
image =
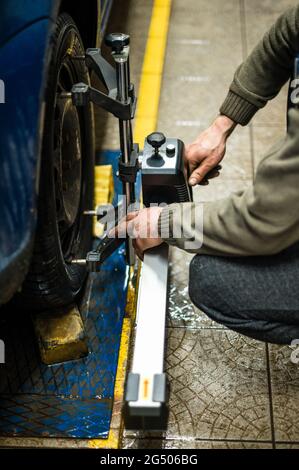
(130, 131)
(125, 131)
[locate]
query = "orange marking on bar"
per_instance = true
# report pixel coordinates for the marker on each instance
(146, 387)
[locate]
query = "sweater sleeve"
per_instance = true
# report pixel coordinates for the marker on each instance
(258, 221)
(265, 71)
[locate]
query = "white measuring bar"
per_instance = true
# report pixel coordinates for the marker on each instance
(146, 384)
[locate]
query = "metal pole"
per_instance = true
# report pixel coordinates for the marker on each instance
(125, 130)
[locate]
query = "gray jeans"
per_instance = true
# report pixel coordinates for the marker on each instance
(255, 296)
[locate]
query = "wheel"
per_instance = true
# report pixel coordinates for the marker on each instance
(66, 180)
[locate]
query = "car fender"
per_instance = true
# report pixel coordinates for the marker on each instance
(23, 66)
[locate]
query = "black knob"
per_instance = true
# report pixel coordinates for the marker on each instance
(156, 139)
(117, 41)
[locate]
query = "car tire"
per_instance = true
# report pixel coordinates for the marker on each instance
(66, 180)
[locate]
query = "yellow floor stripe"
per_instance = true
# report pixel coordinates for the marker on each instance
(145, 123)
(152, 71)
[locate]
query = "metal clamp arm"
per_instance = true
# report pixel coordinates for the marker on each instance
(95, 258)
(82, 94)
(104, 71)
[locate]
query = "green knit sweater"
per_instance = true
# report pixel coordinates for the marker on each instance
(263, 219)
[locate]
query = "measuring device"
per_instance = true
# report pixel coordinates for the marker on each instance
(164, 180)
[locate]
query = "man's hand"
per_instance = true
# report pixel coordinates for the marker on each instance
(206, 152)
(142, 227)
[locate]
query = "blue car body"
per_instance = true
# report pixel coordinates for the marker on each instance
(25, 48)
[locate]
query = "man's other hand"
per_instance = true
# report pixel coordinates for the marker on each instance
(206, 152)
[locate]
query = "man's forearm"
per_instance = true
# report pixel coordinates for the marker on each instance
(265, 71)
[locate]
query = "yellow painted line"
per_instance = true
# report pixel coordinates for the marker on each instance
(145, 123)
(152, 71)
(116, 426)
(122, 359)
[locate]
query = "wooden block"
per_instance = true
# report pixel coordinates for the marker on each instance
(60, 335)
(103, 184)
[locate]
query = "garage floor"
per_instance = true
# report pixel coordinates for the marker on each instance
(227, 391)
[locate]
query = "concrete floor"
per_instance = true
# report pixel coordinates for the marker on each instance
(227, 391)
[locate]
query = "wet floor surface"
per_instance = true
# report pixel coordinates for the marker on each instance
(227, 391)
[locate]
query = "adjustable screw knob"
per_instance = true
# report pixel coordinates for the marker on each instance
(156, 140)
(117, 41)
(170, 150)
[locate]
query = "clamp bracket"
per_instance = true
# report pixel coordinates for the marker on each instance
(95, 258)
(103, 70)
(128, 171)
(83, 94)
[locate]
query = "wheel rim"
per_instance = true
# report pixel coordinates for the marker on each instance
(67, 163)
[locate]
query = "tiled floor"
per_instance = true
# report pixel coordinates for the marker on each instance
(226, 391)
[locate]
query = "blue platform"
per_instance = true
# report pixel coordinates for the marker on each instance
(72, 399)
